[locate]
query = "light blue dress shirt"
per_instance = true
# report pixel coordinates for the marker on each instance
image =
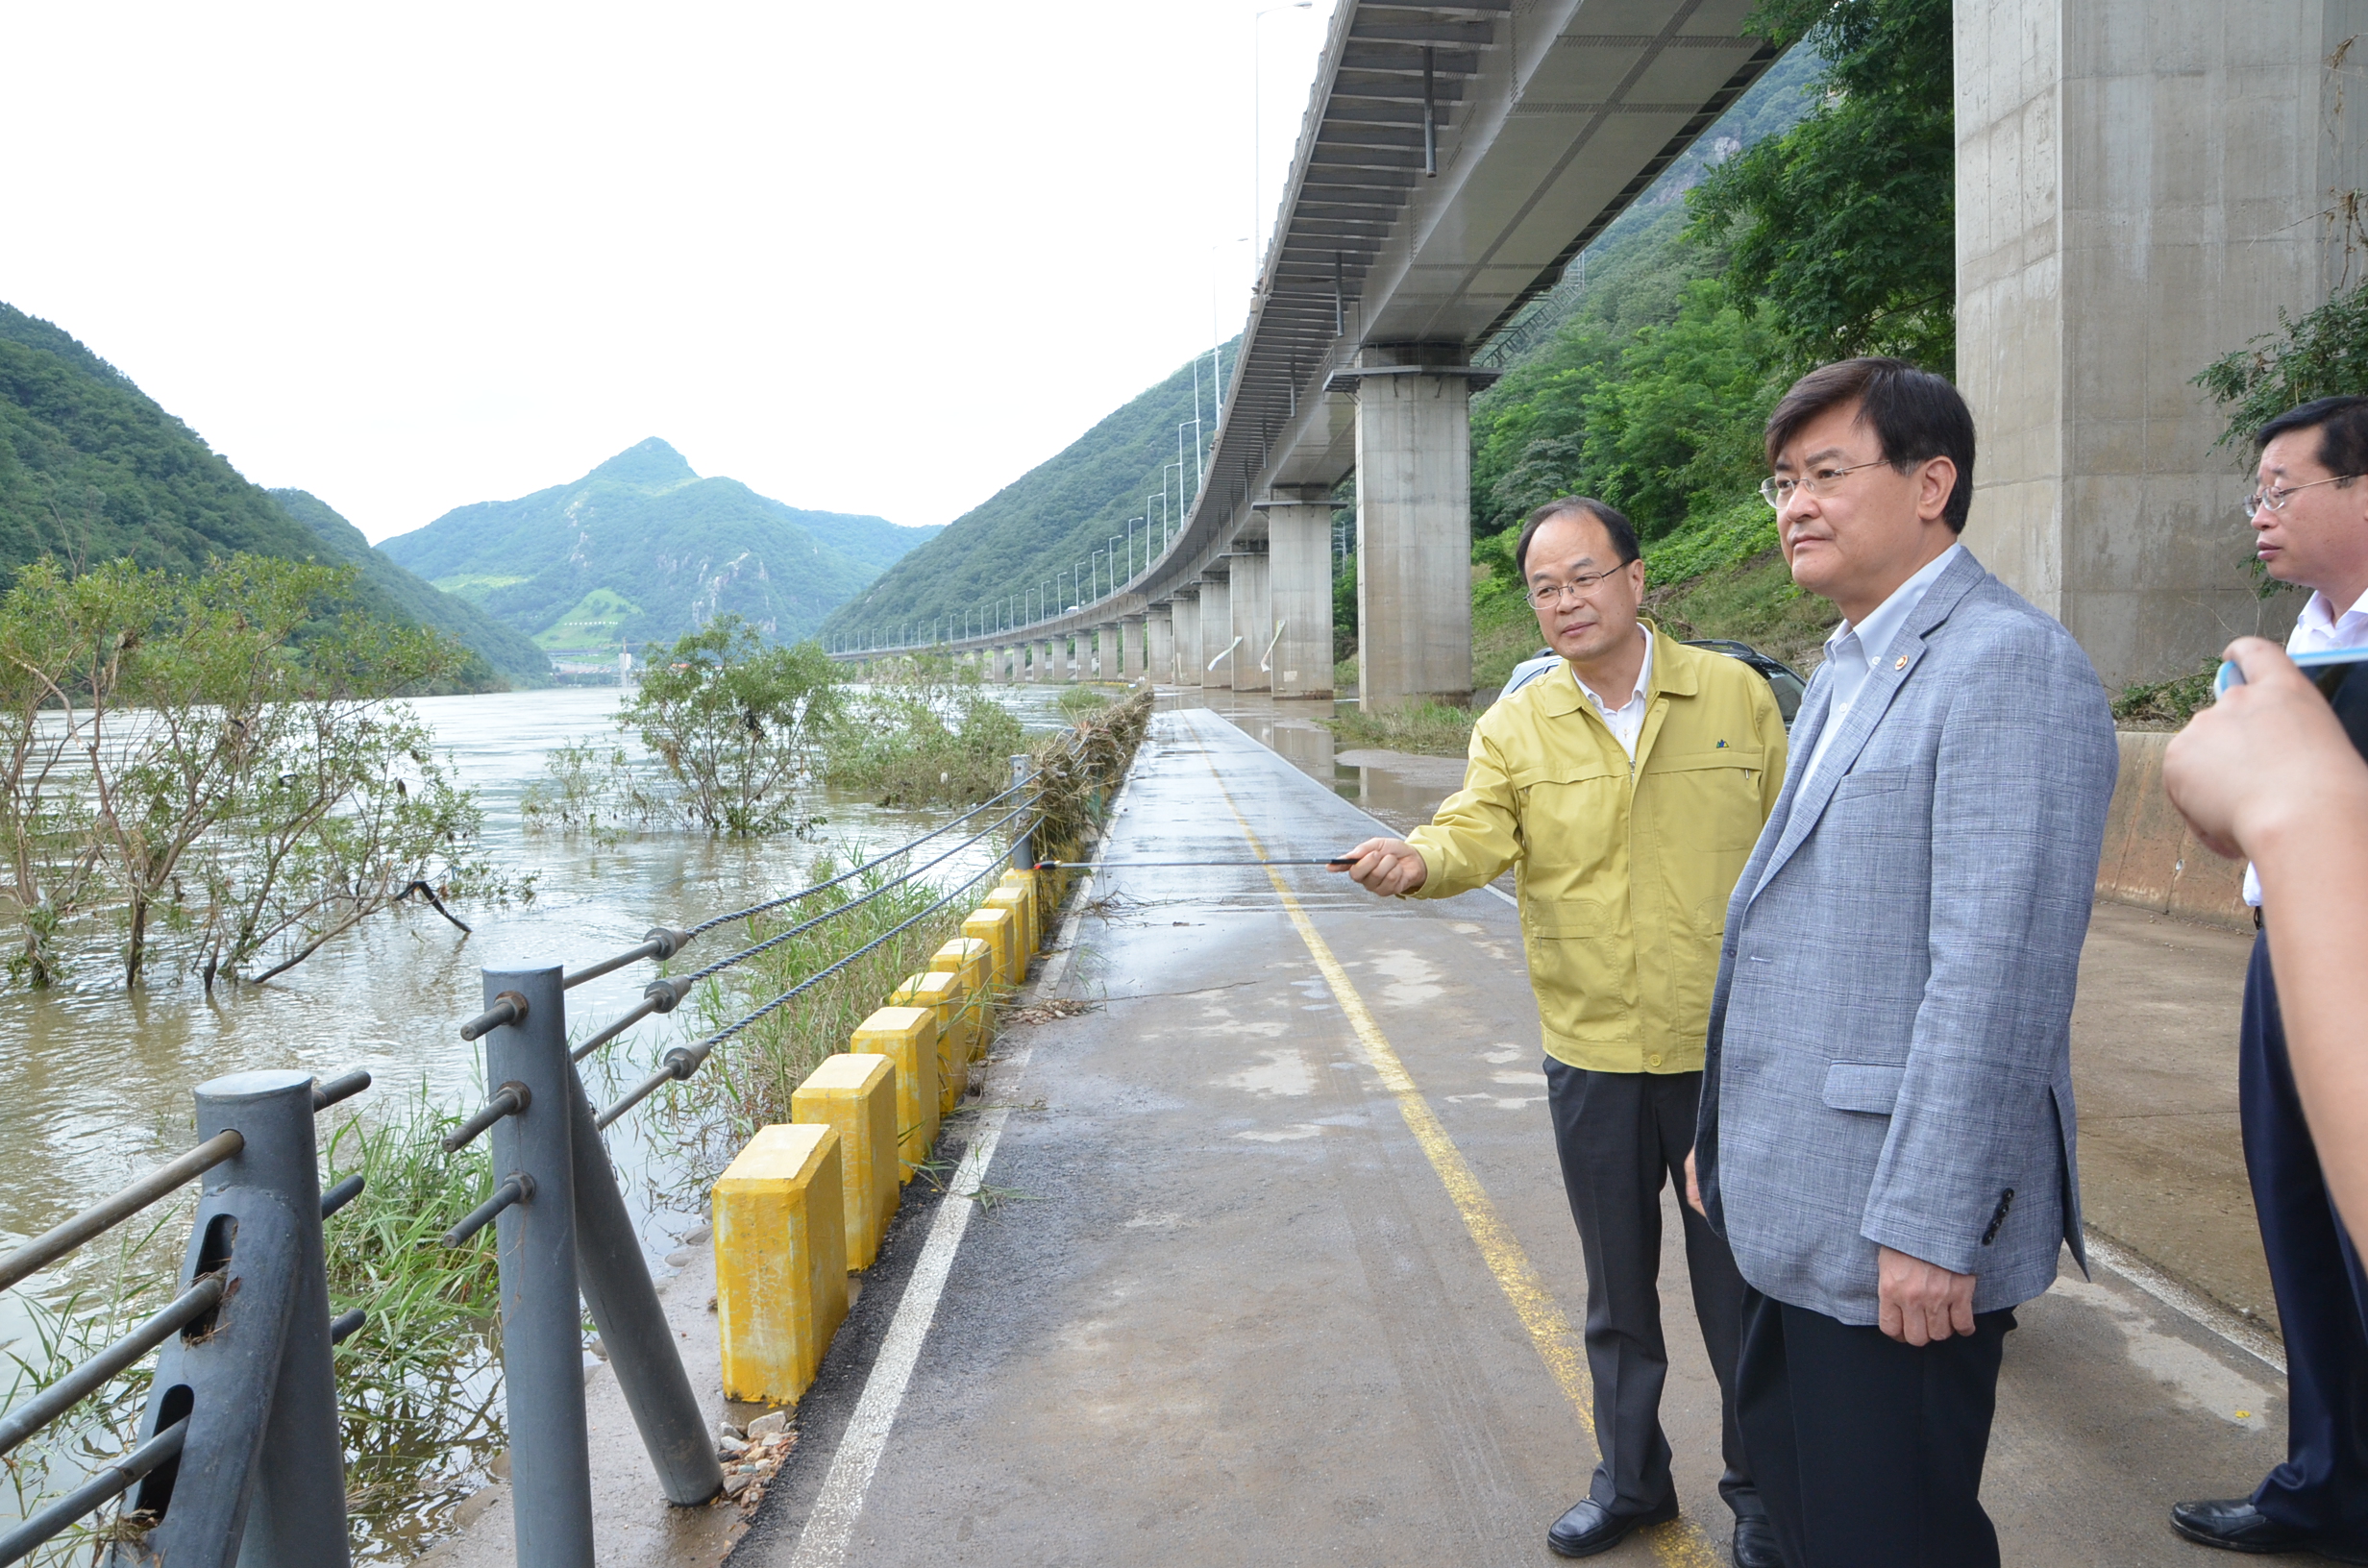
(1852, 653)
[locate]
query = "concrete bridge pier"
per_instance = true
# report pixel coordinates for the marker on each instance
(1185, 608)
(1040, 661)
(1414, 522)
(1300, 592)
(1131, 649)
(2141, 189)
(1253, 623)
(1159, 643)
(1217, 630)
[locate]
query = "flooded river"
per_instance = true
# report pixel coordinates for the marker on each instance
(98, 1081)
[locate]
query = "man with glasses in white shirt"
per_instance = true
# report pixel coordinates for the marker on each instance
(2310, 528)
(1628, 786)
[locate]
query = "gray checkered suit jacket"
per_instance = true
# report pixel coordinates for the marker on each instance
(1889, 1057)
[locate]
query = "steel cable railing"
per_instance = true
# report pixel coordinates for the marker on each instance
(255, 1242)
(111, 1482)
(685, 1060)
(667, 994)
(771, 904)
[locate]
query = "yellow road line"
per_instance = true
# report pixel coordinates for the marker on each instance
(1681, 1543)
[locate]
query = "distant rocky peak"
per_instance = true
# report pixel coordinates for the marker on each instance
(652, 466)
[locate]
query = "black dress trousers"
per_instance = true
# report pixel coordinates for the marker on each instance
(1623, 1137)
(1868, 1451)
(2321, 1292)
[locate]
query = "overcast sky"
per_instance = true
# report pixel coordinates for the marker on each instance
(871, 257)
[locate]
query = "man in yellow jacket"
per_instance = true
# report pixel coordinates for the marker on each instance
(1627, 787)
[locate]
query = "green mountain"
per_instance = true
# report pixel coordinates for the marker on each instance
(511, 654)
(92, 470)
(1047, 522)
(644, 549)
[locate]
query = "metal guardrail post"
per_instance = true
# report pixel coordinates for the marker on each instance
(260, 1478)
(1023, 843)
(615, 1279)
(542, 1332)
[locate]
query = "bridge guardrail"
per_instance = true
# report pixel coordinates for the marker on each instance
(239, 1458)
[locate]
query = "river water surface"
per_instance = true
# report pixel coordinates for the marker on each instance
(98, 1080)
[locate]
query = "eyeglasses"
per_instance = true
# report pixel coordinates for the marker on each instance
(1817, 481)
(1550, 595)
(2273, 499)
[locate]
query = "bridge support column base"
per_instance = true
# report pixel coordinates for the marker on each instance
(1253, 623)
(1300, 590)
(1414, 539)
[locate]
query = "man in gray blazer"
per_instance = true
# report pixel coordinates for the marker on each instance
(1885, 1136)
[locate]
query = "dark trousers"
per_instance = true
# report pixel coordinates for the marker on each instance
(2322, 1292)
(1867, 1451)
(1622, 1135)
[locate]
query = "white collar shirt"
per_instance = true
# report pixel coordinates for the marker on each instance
(2316, 631)
(1627, 721)
(1852, 653)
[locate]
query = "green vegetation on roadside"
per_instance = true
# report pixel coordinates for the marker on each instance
(749, 1078)
(1426, 728)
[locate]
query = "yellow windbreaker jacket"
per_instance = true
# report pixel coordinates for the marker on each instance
(1624, 868)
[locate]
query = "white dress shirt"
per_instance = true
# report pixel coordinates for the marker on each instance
(2318, 629)
(1852, 653)
(1627, 721)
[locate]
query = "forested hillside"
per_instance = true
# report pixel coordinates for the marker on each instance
(511, 653)
(642, 549)
(92, 470)
(1049, 522)
(1834, 238)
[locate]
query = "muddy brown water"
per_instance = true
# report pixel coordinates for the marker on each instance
(98, 1081)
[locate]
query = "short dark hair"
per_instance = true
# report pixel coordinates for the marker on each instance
(1916, 415)
(1623, 532)
(2342, 424)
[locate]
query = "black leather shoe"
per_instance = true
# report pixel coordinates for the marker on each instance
(2235, 1525)
(1755, 1543)
(1590, 1527)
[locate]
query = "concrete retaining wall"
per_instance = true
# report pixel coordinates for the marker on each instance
(2151, 860)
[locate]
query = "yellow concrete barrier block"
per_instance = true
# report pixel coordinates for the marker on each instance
(1000, 930)
(970, 958)
(1030, 883)
(1024, 939)
(781, 1261)
(855, 1096)
(941, 993)
(908, 1037)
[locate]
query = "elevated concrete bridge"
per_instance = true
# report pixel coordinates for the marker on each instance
(1453, 158)
(2142, 186)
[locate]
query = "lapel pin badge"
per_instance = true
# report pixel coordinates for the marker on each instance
(1900, 663)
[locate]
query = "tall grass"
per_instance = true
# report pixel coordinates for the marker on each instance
(749, 1078)
(1425, 728)
(747, 1081)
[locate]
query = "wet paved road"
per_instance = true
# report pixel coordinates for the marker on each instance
(1281, 1270)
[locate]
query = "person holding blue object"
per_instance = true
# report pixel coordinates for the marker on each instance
(2310, 528)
